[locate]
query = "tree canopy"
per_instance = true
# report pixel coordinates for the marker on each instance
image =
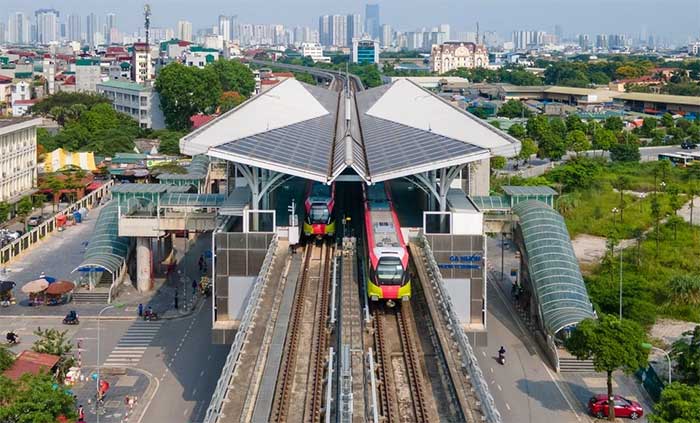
(65, 101)
(679, 403)
(686, 352)
(34, 399)
(611, 344)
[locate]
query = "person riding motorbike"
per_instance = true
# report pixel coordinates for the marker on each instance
(502, 355)
(12, 338)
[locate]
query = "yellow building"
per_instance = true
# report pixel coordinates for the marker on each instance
(59, 158)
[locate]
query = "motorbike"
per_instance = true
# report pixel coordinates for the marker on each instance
(12, 338)
(71, 318)
(150, 316)
(502, 356)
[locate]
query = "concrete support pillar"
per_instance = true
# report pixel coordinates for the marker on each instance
(144, 264)
(479, 177)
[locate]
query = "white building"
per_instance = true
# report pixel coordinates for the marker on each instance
(47, 26)
(140, 102)
(200, 56)
(184, 30)
(315, 51)
(17, 157)
(87, 75)
(452, 55)
(694, 48)
(225, 27)
(141, 66)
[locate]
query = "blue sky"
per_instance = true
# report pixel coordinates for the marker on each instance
(677, 19)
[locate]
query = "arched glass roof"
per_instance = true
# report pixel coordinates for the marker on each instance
(106, 249)
(554, 271)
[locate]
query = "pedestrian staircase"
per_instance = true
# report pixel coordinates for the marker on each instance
(99, 295)
(573, 364)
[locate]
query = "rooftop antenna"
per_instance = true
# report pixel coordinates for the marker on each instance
(147, 21)
(477, 32)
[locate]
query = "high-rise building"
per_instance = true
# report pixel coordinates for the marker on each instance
(601, 42)
(184, 30)
(584, 41)
(18, 29)
(387, 37)
(235, 28)
(46, 25)
(75, 29)
(372, 24)
(339, 30)
(355, 28)
(3, 39)
(559, 32)
(365, 51)
(225, 27)
(522, 40)
(445, 28)
(91, 29)
(324, 30)
(141, 66)
(110, 23)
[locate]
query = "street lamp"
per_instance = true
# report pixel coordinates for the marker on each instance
(615, 211)
(663, 186)
(648, 346)
(97, 381)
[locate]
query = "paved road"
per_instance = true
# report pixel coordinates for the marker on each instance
(526, 389)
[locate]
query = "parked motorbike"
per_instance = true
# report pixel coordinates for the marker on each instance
(150, 316)
(12, 338)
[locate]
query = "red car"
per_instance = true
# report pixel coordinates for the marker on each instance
(598, 406)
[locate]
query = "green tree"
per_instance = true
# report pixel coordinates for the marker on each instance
(648, 126)
(604, 139)
(6, 358)
(694, 133)
(24, 208)
(686, 351)
(656, 215)
(513, 109)
(612, 345)
(551, 146)
(557, 125)
(623, 152)
(35, 399)
(678, 404)
(577, 141)
(230, 100)
(621, 184)
(574, 123)
(234, 76)
(527, 149)
(498, 162)
(613, 123)
(53, 341)
(667, 120)
(66, 100)
(4, 211)
(185, 91)
(516, 131)
(537, 126)
(169, 141)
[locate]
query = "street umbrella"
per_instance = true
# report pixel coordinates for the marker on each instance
(49, 279)
(60, 288)
(35, 286)
(6, 286)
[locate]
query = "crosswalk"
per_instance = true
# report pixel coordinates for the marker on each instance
(133, 344)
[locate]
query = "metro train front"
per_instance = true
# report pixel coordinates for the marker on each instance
(388, 276)
(319, 202)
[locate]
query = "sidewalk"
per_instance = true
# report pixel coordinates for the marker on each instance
(137, 384)
(161, 298)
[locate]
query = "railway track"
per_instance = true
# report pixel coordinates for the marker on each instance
(299, 389)
(397, 372)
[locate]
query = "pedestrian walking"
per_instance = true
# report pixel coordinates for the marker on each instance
(176, 299)
(140, 310)
(194, 286)
(81, 415)
(201, 263)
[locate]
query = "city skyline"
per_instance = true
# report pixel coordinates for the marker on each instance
(675, 24)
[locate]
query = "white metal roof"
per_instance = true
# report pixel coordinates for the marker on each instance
(287, 103)
(407, 103)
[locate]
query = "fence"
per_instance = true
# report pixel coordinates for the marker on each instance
(217, 399)
(27, 240)
(469, 360)
(651, 382)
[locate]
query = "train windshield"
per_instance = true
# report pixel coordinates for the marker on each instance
(319, 213)
(389, 271)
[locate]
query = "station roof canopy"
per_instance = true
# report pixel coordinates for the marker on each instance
(382, 133)
(554, 272)
(106, 249)
(517, 191)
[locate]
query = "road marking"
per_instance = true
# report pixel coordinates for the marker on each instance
(130, 348)
(499, 387)
(508, 406)
(201, 373)
(561, 391)
(491, 368)
(482, 353)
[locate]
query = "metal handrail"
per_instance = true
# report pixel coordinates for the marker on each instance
(469, 360)
(217, 399)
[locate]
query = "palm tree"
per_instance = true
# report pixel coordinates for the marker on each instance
(58, 114)
(76, 110)
(656, 214)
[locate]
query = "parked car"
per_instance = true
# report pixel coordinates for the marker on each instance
(598, 406)
(35, 220)
(688, 145)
